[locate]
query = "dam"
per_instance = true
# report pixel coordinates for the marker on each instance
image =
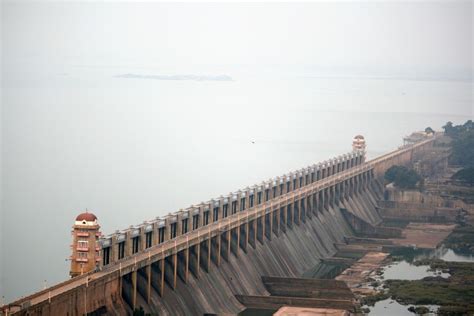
(201, 260)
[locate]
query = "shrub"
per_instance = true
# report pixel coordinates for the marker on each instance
(402, 177)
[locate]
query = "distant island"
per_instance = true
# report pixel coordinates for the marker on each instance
(177, 77)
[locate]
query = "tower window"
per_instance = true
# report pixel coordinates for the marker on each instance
(83, 244)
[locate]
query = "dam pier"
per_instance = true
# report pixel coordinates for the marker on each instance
(213, 257)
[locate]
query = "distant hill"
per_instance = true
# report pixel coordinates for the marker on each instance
(177, 77)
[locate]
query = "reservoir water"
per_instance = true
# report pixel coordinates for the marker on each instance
(402, 270)
(132, 149)
(391, 307)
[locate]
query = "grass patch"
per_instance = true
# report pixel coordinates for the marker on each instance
(433, 292)
(372, 299)
(455, 294)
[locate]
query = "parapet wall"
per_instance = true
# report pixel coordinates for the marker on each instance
(101, 297)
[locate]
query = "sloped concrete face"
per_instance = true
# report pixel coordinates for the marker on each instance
(288, 254)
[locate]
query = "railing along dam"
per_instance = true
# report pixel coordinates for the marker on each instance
(184, 246)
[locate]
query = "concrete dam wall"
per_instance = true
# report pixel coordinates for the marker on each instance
(293, 251)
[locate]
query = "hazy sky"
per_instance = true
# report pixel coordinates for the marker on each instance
(427, 36)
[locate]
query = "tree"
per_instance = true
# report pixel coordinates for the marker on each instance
(402, 177)
(429, 130)
(468, 125)
(458, 131)
(448, 128)
(466, 175)
(462, 144)
(391, 173)
(463, 151)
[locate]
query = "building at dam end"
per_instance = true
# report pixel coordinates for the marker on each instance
(85, 248)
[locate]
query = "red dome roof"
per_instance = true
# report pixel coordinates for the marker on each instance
(86, 217)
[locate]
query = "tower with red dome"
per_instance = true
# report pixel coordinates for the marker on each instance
(85, 244)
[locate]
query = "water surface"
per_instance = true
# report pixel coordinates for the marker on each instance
(403, 270)
(450, 255)
(391, 307)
